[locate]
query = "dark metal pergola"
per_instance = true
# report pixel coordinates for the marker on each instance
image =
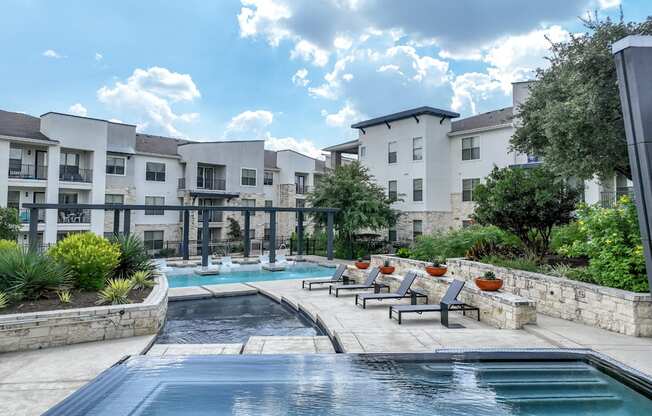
(126, 209)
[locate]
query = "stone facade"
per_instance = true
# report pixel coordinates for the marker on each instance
(462, 210)
(502, 310)
(432, 221)
(36, 330)
(615, 310)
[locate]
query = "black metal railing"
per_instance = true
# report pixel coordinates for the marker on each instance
(28, 171)
(608, 199)
(23, 215)
(75, 174)
(74, 216)
(212, 216)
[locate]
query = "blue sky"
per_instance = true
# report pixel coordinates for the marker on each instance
(294, 72)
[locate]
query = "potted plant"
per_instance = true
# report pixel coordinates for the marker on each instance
(437, 267)
(489, 282)
(387, 268)
(361, 263)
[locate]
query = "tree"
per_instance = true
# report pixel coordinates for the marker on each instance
(527, 203)
(573, 117)
(235, 232)
(9, 224)
(363, 205)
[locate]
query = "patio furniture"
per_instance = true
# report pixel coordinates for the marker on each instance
(369, 283)
(337, 277)
(448, 303)
(403, 291)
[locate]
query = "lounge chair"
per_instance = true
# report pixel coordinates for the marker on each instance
(449, 302)
(337, 277)
(403, 291)
(369, 283)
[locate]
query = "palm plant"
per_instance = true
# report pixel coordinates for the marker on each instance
(115, 292)
(29, 275)
(133, 256)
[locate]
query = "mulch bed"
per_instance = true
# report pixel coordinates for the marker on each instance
(79, 300)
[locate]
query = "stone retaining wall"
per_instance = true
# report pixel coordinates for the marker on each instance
(603, 307)
(29, 331)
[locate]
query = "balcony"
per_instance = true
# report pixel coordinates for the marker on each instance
(213, 216)
(211, 184)
(301, 189)
(24, 215)
(75, 174)
(74, 216)
(17, 171)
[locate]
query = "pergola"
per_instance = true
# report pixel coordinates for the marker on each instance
(246, 211)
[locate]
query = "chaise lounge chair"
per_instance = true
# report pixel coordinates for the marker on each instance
(337, 277)
(369, 283)
(403, 291)
(449, 302)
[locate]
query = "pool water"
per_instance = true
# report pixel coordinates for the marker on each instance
(231, 320)
(183, 277)
(351, 385)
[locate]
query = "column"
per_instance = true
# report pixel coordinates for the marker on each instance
(99, 190)
(329, 232)
(4, 172)
(116, 221)
(300, 234)
(52, 195)
(247, 237)
(204, 238)
(186, 235)
(272, 236)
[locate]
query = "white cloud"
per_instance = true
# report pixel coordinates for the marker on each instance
(78, 110)
(305, 146)
(300, 78)
(309, 52)
(98, 56)
(250, 124)
(608, 4)
(147, 95)
(346, 116)
(51, 53)
(471, 87)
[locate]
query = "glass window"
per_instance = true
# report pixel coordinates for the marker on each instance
(13, 199)
(154, 200)
(248, 203)
(15, 160)
(417, 228)
(248, 177)
(153, 240)
(470, 148)
(391, 152)
(115, 165)
(69, 159)
(155, 172)
(363, 151)
(269, 203)
(268, 178)
(206, 177)
(468, 185)
(301, 203)
(114, 199)
(417, 190)
(391, 235)
(417, 148)
(392, 188)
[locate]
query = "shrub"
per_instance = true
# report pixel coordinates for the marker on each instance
(166, 252)
(403, 253)
(8, 245)
(566, 235)
(457, 243)
(133, 256)
(115, 292)
(9, 224)
(27, 274)
(90, 257)
(64, 296)
(521, 263)
(141, 280)
(613, 245)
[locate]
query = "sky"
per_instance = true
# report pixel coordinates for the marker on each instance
(296, 73)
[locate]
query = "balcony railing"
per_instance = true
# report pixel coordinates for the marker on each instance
(23, 215)
(75, 174)
(609, 199)
(74, 216)
(213, 216)
(301, 189)
(211, 184)
(28, 171)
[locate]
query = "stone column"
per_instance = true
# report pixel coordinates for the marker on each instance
(4, 172)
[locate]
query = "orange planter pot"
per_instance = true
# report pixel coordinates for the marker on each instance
(387, 269)
(488, 285)
(361, 264)
(436, 271)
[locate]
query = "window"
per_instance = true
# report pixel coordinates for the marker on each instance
(69, 159)
(114, 199)
(467, 223)
(269, 203)
(417, 228)
(301, 203)
(153, 240)
(15, 160)
(155, 172)
(206, 178)
(248, 177)
(248, 203)
(115, 165)
(266, 233)
(417, 190)
(417, 148)
(468, 185)
(391, 152)
(363, 151)
(392, 188)
(268, 178)
(154, 200)
(13, 200)
(391, 235)
(470, 149)
(252, 234)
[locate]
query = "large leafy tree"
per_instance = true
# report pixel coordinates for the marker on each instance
(9, 224)
(573, 117)
(363, 205)
(527, 203)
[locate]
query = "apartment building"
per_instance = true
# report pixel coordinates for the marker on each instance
(430, 162)
(61, 158)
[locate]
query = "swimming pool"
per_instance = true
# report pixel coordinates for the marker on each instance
(344, 384)
(231, 319)
(182, 277)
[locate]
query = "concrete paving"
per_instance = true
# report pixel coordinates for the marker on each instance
(230, 289)
(160, 350)
(288, 345)
(192, 292)
(33, 381)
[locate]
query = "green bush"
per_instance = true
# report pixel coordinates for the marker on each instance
(610, 238)
(9, 224)
(91, 258)
(8, 245)
(28, 275)
(115, 292)
(565, 235)
(133, 256)
(403, 253)
(520, 263)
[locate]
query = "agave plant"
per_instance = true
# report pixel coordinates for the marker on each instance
(4, 300)
(64, 296)
(28, 274)
(115, 292)
(141, 280)
(133, 256)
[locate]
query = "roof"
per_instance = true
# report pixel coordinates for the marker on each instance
(21, 125)
(147, 143)
(87, 118)
(270, 159)
(350, 146)
(405, 114)
(489, 119)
